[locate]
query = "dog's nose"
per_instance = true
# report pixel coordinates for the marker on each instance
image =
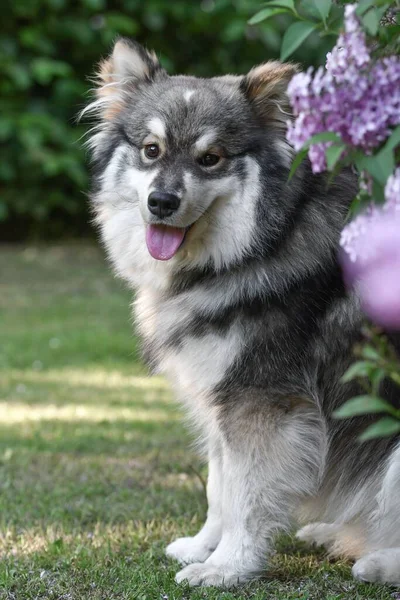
(163, 204)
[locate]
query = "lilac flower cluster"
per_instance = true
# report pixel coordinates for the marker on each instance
(356, 97)
(371, 257)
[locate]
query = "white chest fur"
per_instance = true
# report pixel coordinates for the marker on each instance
(199, 362)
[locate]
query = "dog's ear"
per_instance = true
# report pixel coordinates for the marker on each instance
(129, 62)
(265, 87)
(128, 66)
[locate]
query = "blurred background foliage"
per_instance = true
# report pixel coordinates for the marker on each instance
(48, 48)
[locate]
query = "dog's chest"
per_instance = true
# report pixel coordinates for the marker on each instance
(195, 363)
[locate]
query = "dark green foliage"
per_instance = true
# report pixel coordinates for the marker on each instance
(48, 49)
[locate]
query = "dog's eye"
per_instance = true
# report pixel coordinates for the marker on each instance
(152, 150)
(209, 160)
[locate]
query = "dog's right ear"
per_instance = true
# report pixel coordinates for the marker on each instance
(129, 62)
(128, 66)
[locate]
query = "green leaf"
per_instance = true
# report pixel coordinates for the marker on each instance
(334, 173)
(300, 156)
(6, 128)
(376, 377)
(379, 166)
(20, 76)
(45, 69)
(295, 36)
(393, 141)
(363, 6)
(333, 154)
(266, 13)
(325, 136)
(381, 10)
(371, 21)
(122, 24)
(361, 368)
(233, 31)
(362, 405)
(378, 192)
(3, 211)
(323, 7)
(385, 427)
(370, 353)
(282, 4)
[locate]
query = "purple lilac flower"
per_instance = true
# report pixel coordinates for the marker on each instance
(356, 97)
(371, 257)
(392, 193)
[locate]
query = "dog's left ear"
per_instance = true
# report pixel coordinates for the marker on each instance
(265, 87)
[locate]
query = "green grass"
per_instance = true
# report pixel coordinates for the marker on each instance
(96, 470)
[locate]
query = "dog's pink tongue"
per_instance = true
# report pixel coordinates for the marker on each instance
(163, 242)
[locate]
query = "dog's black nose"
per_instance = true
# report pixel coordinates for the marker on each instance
(162, 204)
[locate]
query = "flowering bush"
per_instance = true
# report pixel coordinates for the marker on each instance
(348, 114)
(355, 97)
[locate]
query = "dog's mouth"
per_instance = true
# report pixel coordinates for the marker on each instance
(163, 241)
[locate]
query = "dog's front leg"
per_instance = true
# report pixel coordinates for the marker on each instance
(271, 459)
(199, 547)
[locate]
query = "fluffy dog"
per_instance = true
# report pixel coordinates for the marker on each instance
(241, 304)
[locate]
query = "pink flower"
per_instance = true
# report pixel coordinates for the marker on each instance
(371, 257)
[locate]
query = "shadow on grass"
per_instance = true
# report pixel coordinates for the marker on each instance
(77, 473)
(119, 437)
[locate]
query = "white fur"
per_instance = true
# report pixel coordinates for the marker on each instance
(108, 177)
(233, 203)
(201, 363)
(381, 566)
(263, 477)
(127, 66)
(188, 94)
(205, 140)
(195, 369)
(384, 525)
(157, 128)
(320, 534)
(199, 547)
(98, 106)
(127, 62)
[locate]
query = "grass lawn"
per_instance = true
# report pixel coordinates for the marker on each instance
(96, 471)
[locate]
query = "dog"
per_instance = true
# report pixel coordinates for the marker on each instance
(240, 302)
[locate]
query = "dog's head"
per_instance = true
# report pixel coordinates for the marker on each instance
(178, 160)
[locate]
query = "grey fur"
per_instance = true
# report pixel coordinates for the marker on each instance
(250, 320)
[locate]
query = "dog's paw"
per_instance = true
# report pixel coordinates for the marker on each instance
(382, 566)
(211, 575)
(367, 569)
(188, 550)
(319, 534)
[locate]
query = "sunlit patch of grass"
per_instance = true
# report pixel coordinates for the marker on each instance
(19, 413)
(95, 378)
(97, 473)
(67, 395)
